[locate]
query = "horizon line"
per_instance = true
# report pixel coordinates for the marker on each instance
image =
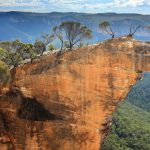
(69, 12)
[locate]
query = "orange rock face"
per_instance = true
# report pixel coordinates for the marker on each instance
(65, 101)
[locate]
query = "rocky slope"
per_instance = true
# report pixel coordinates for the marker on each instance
(65, 101)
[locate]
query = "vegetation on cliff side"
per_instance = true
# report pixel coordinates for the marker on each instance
(140, 94)
(4, 73)
(131, 123)
(130, 130)
(70, 33)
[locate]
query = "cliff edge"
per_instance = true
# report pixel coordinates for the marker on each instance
(65, 101)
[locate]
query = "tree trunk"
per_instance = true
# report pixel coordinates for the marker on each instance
(62, 45)
(113, 36)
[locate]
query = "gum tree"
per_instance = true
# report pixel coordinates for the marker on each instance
(41, 44)
(12, 52)
(107, 29)
(133, 30)
(58, 33)
(75, 32)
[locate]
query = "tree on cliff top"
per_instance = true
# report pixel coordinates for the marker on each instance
(107, 29)
(12, 58)
(133, 30)
(58, 33)
(29, 52)
(39, 47)
(12, 53)
(41, 44)
(132, 27)
(75, 32)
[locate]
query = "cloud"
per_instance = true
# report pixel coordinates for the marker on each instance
(17, 3)
(130, 3)
(119, 4)
(72, 5)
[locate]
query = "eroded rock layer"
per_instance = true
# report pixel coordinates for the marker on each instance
(65, 101)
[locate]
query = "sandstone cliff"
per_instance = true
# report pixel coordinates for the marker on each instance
(65, 101)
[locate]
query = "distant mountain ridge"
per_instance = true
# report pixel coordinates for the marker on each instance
(27, 25)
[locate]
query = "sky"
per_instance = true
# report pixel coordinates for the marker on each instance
(86, 6)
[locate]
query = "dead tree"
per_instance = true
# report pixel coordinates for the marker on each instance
(107, 29)
(133, 30)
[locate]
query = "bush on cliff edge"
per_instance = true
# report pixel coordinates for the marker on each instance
(4, 73)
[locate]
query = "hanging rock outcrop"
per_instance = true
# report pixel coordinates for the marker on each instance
(65, 101)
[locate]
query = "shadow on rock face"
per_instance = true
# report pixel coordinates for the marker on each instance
(26, 108)
(30, 109)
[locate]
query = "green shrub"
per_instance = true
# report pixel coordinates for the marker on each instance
(2, 53)
(51, 47)
(4, 73)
